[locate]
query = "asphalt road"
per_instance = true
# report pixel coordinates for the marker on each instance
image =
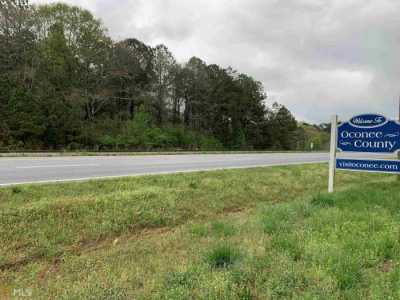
(53, 169)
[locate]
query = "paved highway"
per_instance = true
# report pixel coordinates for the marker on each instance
(53, 169)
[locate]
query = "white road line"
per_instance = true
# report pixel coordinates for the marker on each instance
(58, 166)
(161, 173)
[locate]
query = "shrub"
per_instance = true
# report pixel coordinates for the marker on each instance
(222, 256)
(141, 134)
(207, 143)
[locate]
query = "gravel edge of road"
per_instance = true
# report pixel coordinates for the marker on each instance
(66, 154)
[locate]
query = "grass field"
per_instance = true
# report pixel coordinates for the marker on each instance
(236, 234)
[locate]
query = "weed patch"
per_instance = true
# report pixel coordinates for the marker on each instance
(223, 256)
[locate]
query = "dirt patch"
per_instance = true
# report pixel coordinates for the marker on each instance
(15, 265)
(233, 210)
(387, 266)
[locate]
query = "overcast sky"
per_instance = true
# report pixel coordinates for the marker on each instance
(317, 57)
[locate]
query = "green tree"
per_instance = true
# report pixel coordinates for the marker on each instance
(284, 127)
(131, 75)
(195, 90)
(56, 89)
(18, 123)
(86, 40)
(164, 65)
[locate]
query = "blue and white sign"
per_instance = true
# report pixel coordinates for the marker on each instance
(369, 133)
(381, 166)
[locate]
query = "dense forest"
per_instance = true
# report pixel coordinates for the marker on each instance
(66, 85)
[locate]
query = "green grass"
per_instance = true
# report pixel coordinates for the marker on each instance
(222, 256)
(235, 234)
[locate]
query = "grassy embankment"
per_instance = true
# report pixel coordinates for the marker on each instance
(235, 234)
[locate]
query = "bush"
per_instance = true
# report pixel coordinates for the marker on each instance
(222, 256)
(207, 143)
(140, 134)
(108, 141)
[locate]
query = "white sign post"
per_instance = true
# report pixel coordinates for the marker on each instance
(332, 159)
(398, 153)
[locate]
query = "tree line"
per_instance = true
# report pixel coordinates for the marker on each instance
(65, 84)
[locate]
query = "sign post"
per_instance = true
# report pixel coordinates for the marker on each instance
(332, 159)
(398, 153)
